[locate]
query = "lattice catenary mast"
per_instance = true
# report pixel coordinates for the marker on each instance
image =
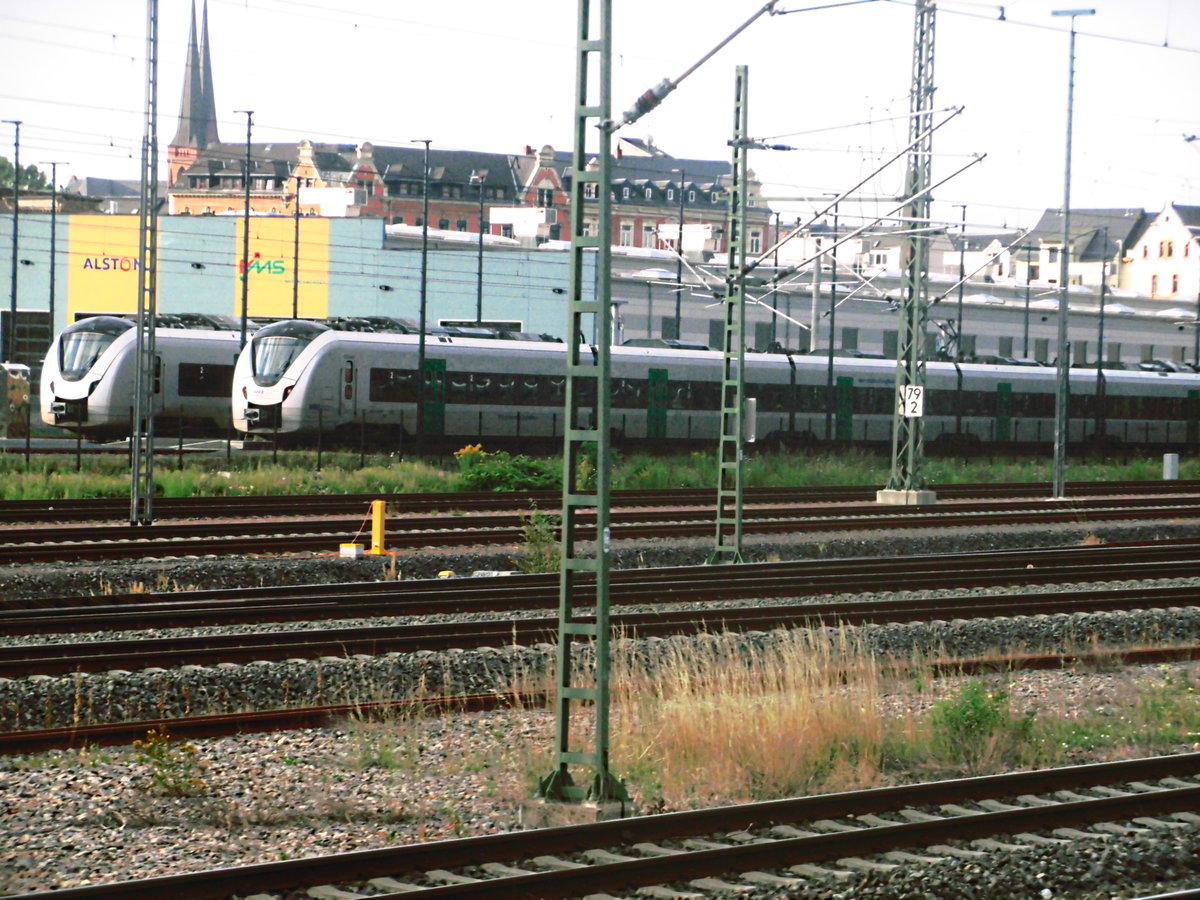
(906, 484)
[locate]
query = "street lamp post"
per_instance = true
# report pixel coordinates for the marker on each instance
(296, 253)
(10, 351)
(962, 277)
(679, 260)
(1100, 386)
(775, 305)
(829, 390)
(1061, 420)
(1028, 278)
(248, 113)
(424, 274)
(477, 178)
(1196, 335)
(53, 164)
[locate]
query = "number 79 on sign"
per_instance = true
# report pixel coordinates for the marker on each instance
(912, 401)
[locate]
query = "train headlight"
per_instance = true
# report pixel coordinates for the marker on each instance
(245, 393)
(287, 391)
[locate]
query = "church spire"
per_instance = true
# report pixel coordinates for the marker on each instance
(191, 106)
(206, 87)
(197, 109)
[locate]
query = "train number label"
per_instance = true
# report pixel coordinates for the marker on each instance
(912, 401)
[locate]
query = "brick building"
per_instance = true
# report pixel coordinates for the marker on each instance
(519, 195)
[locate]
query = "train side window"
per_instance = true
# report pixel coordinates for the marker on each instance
(681, 395)
(706, 395)
(205, 380)
(391, 386)
(485, 387)
(625, 393)
(979, 403)
(457, 387)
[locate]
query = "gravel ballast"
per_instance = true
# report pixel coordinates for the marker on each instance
(92, 816)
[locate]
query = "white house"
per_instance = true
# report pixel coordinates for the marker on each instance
(984, 257)
(1100, 240)
(1165, 262)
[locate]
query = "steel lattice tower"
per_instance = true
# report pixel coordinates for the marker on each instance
(588, 390)
(733, 426)
(906, 484)
(141, 437)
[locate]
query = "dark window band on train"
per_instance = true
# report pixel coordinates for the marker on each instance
(205, 380)
(399, 386)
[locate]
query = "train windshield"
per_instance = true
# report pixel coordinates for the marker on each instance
(81, 344)
(275, 347)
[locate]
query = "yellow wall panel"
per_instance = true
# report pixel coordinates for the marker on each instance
(103, 256)
(273, 263)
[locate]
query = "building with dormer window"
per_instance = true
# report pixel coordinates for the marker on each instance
(525, 196)
(1099, 247)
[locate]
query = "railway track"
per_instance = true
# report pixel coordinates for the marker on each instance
(780, 844)
(109, 509)
(660, 587)
(108, 734)
(99, 542)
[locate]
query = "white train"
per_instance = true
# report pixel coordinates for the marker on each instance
(298, 378)
(89, 375)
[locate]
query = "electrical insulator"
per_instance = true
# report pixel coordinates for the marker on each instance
(648, 101)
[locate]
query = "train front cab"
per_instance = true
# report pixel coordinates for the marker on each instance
(269, 355)
(69, 379)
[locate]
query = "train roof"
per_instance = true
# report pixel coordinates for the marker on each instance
(395, 325)
(101, 324)
(185, 320)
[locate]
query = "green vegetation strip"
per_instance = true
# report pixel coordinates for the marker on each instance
(476, 469)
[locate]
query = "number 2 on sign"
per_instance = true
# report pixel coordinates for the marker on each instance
(912, 404)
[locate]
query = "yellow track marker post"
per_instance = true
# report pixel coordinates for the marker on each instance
(377, 528)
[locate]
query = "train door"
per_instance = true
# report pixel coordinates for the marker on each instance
(844, 423)
(435, 397)
(348, 395)
(1004, 412)
(657, 397)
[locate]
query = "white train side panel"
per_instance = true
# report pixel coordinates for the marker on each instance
(304, 378)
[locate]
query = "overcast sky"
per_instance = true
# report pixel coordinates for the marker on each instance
(498, 75)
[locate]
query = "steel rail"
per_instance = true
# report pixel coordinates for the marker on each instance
(272, 720)
(799, 512)
(102, 509)
(414, 860)
(268, 720)
(759, 581)
(164, 652)
(122, 542)
(346, 605)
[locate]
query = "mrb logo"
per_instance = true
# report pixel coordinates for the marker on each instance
(260, 266)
